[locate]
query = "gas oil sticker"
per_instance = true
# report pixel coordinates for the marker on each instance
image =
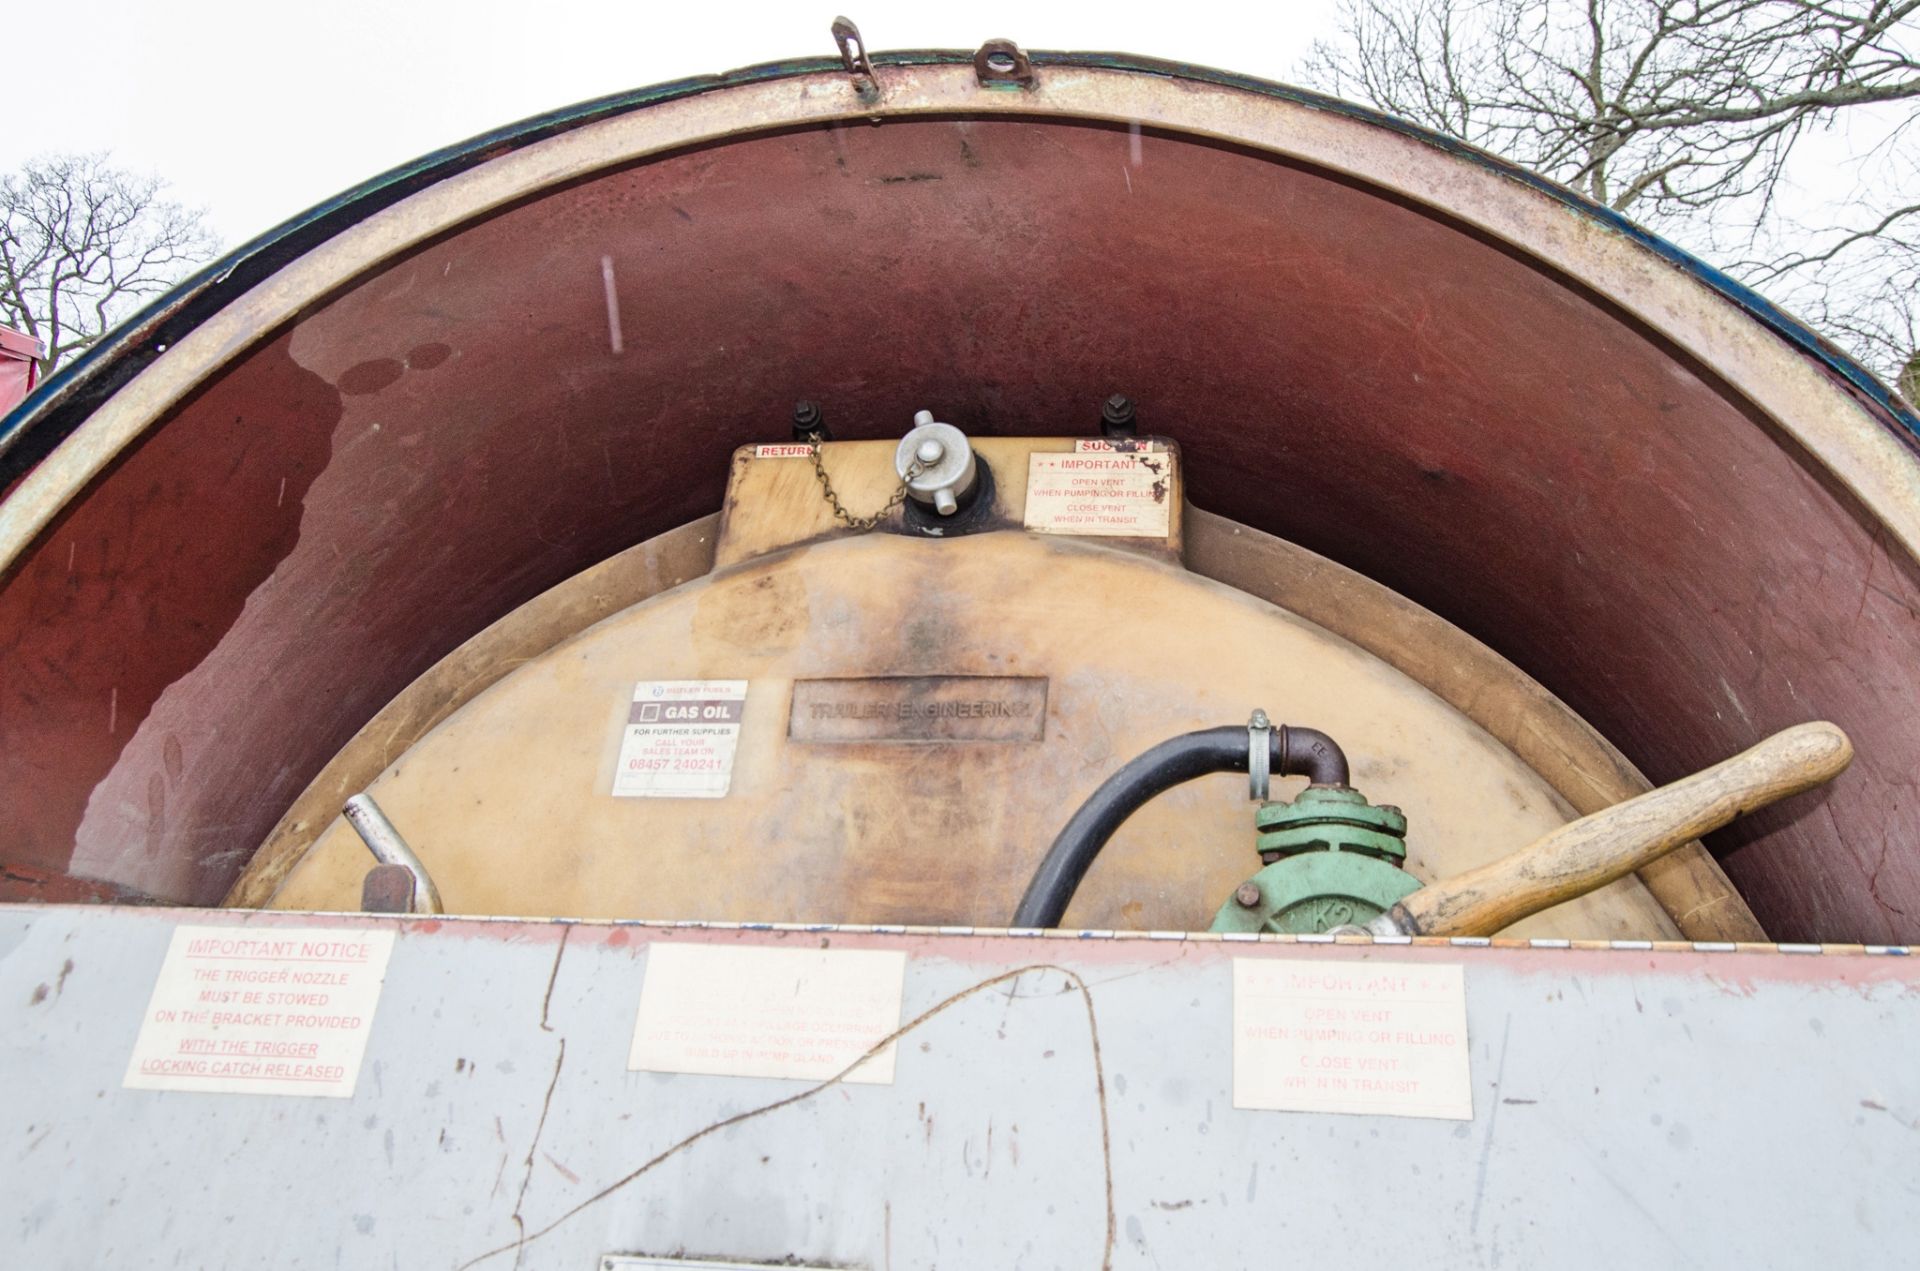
(282, 1010)
(747, 1011)
(1384, 1039)
(1126, 494)
(680, 739)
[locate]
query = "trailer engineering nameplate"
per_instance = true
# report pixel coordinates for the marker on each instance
(920, 708)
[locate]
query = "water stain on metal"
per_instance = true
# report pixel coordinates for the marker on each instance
(754, 614)
(424, 357)
(370, 377)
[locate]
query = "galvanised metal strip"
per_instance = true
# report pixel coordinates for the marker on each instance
(495, 1121)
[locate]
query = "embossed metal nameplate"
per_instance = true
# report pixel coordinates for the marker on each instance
(920, 708)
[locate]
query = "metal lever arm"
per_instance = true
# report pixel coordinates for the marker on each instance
(1593, 851)
(365, 816)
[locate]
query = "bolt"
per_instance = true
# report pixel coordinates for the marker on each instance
(929, 451)
(1247, 894)
(808, 421)
(1117, 416)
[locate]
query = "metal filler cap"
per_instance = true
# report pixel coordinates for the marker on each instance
(941, 463)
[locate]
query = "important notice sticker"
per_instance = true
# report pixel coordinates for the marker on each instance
(1122, 495)
(745, 1011)
(282, 1011)
(680, 739)
(1386, 1039)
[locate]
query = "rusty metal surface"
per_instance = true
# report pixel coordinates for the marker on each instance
(1632, 1106)
(387, 889)
(191, 641)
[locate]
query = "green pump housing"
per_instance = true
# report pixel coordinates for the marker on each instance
(1331, 859)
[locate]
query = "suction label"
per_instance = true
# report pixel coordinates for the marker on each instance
(746, 1011)
(1120, 494)
(286, 1011)
(680, 739)
(1386, 1039)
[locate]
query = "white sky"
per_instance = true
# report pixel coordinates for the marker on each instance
(257, 110)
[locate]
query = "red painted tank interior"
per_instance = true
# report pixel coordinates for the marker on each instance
(454, 433)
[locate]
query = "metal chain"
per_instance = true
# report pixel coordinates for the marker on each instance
(858, 524)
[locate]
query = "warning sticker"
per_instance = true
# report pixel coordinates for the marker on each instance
(680, 738)
(1389, 1039)
(284, 1011)
(1123, 445)
(785, 450)
(746, 1011)
(1118, 494)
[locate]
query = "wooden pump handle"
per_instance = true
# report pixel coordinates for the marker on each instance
(1615, 841)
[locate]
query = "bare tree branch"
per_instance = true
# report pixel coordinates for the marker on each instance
(83, 244)
(1684, 112)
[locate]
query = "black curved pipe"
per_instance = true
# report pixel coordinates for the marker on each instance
(1306, 752)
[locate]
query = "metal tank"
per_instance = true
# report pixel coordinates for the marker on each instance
(1012, 523)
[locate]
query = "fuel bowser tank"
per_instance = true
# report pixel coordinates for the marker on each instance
(954, 659)
(904, 713)
(1511, 499)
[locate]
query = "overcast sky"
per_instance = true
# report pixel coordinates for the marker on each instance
(257, 110)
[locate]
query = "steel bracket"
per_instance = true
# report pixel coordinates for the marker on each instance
(853, 55)
(1004, 64)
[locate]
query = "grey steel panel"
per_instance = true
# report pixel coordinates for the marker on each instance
(1634, 1107)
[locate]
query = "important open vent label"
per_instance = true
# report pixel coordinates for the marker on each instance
(282, 1010)
(1386, 1039)
(1118, 494)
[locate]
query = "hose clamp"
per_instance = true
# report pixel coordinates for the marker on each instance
(1259, 755)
